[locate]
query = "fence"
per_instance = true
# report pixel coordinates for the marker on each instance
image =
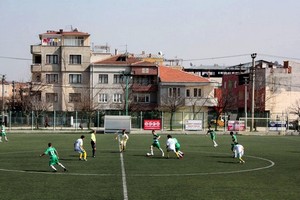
(79, 120)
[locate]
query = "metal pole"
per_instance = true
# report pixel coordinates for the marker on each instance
(253, 56)
(126, 99)
(3, 78)
(246, 106)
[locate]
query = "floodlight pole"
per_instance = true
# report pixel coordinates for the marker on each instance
(3, 78)
(253, 56)
(246, 98)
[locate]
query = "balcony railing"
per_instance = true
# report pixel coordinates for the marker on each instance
(144, 88)
(35, 49)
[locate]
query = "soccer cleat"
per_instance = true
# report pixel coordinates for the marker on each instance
(65, 170)
(80, 159)
(54, 171)
(85, 159)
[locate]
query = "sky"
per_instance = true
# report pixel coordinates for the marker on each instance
(200, 32)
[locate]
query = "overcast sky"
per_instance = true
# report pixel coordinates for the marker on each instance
(197, 31)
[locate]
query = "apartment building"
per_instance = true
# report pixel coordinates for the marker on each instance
(60, 63)
(188, 92)
(124, 82)
(276, 88)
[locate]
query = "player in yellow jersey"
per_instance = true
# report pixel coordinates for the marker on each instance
(93, 143)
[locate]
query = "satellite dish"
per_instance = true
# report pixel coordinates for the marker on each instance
(160, 53)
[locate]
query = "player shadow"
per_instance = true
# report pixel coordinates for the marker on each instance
(219, 156)
(227, 162)
(152, 157)
(33, 170)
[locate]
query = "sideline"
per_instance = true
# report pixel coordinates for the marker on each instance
(124, 183)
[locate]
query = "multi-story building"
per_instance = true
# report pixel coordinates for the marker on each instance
(59, 70)
(124, 82)
(185, 92)
(275, 88)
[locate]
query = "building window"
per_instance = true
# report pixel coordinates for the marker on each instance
(74, 78)
(145, 70)
(51, 97)
(141, 98)
(197, 92)
(103, 78)
(51, 59)
(118, 79)
(174, 92)
(117, 98)
(36, 96)
(187, 93)
(51, 78)
(75, 59)
(102, 98)
(74, 97)
(143, 80)
(74, 41)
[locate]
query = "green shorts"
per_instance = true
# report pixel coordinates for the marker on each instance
(3, 134)
(156, 144)
(53, 161)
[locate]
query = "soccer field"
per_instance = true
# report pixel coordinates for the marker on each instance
(271, 171)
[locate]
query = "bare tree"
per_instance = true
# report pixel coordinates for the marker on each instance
(295, 108)
(171, 105)
(225, 102)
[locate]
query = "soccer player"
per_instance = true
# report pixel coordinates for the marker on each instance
(156, 144)
(170, 145)
(53, 155)
(122, 138)
(234, 140)
(3, 133)
(78, 147)
(177, 148)
(212, 136)
(93, 142)
(238, 150)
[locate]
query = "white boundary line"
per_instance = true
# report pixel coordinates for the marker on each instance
(125, 194)
(149, 175)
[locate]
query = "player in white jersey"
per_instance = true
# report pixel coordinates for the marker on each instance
(122, 138)
(238, 150)
(78, 147)
(170, 145)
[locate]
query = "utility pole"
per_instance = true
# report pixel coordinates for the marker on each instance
(3, 78)
(13, 85)
(246, 98)
(253, 56)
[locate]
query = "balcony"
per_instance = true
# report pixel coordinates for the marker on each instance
(36, 68)
(144, 88)
(35, 49)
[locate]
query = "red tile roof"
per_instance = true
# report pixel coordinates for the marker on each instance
(167, 74)
(118, 60)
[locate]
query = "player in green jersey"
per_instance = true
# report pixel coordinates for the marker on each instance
(234, 141)
(177, 148)
(156, 144)
(3, 133)
(53, 155)
(212, 136)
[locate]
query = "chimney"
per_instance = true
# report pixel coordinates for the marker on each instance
(116, 51)
(61, 31)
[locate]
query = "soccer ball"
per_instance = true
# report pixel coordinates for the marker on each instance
(148, 154)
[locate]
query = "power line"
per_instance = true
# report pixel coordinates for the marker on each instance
(14, 58)
(215, 58)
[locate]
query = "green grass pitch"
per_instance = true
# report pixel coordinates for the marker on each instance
(271, 171)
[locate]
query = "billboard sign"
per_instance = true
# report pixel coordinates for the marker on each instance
(152, 124)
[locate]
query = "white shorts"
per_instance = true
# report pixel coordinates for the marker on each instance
(79, 150)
